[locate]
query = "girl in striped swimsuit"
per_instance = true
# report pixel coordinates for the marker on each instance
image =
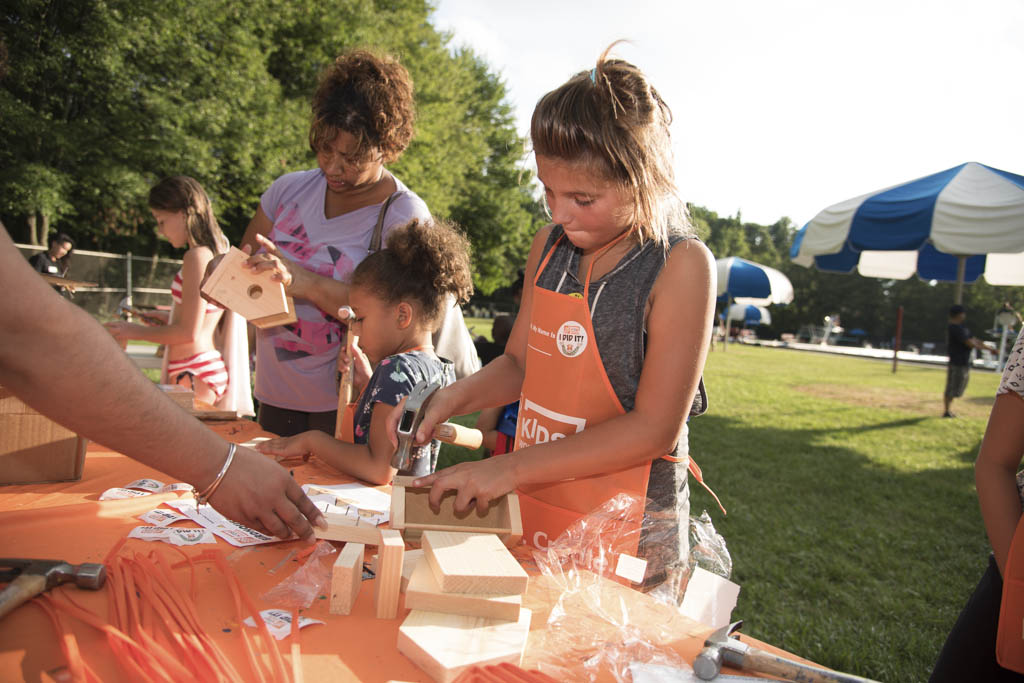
(184, 216)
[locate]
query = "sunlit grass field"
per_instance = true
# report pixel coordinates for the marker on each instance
(853, 522)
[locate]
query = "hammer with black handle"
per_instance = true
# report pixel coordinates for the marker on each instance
(721, 648)
(29, 578)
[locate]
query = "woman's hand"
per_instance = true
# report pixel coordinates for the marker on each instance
(262, 495)
(479, 482)
(295, 278)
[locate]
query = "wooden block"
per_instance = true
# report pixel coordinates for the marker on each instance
(444, 645)
(33, 448)
(425, 594)
(411, 513)
(342, 528)
(254, 296)
(389, 579)
(409, 563)
(473, 563)
(347, 578)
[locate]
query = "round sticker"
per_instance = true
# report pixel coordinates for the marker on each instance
(571, 339)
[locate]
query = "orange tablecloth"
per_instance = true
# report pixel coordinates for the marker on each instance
(68, 522)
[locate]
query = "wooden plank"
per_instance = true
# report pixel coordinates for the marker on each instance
(254, 296)
(347, 578)
(342, 528)
(411, 513)
(444, 645)
(473, 563)
(424, 593)
(387, 583)
(409, 562)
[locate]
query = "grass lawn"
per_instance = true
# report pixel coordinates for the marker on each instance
(853, 522)
(853, 519)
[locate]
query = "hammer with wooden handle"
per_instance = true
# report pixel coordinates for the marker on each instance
(345, 386)
(29, 578)
(412, 415)
(721, 648)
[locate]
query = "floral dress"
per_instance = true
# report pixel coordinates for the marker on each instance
(392, 380)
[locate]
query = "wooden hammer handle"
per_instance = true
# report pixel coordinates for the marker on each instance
(765, 662)
(23, 588)
(457, 435)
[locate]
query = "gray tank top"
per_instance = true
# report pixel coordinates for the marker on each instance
(617, 302)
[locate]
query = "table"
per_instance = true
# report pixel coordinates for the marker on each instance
(67, 521)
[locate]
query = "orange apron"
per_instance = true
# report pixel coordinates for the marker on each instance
(1010, 636)
(566, 389)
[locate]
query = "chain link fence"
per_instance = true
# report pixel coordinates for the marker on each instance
(144, 281)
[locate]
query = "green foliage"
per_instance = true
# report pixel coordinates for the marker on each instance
(102, 99)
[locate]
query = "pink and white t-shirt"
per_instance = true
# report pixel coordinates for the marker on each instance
(295, 364)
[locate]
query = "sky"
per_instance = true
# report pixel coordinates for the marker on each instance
(782, 107)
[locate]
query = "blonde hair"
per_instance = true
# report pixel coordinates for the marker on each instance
(613, 122)
(423, 262)
(181, 193)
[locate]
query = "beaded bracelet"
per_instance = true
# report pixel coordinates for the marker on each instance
(201, 498)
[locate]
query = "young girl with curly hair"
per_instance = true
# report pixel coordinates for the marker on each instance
(398, 295)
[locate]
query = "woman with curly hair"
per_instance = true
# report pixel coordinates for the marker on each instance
(315, 226)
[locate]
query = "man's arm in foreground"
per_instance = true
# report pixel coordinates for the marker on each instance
(60, 361)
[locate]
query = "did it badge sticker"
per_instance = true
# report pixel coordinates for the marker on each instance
(571, 339)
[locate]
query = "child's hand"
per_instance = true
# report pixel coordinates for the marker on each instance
(358, 361)
(479, 482)
(300, 446)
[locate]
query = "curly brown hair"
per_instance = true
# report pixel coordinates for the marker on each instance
(422, 263)
(368, 96)
(612, 121)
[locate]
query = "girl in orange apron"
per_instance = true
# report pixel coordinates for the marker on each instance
(398, 295)
(607, 352)
(987, 641)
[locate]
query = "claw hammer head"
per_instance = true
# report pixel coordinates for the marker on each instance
(86, 575)
(412, 415)
(719, 648)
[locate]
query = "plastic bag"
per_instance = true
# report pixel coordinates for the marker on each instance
(707, 547)
(308, 581)
(601, 622)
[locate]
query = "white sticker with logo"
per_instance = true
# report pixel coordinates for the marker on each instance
(571, 339)
(536, 433)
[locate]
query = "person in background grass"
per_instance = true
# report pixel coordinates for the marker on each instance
(96, 391)
(498, 424)
(398, 296)
(56, 261)
(206, 346)
(960, 344)
(608, 350)
(971, 652)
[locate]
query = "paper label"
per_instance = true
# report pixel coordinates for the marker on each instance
(232, 532)
(172, 536)
(161, 517)
(122, 494)
(279, 622)
(631, 568)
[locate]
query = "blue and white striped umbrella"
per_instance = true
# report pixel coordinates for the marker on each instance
(953, 226)
(746, 282)
(750, 314)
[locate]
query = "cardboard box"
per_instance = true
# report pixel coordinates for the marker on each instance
(33, 448)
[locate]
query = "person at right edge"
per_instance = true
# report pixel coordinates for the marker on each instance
(608, 349)
(315, 226)
(987, 640)
(960, 343)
